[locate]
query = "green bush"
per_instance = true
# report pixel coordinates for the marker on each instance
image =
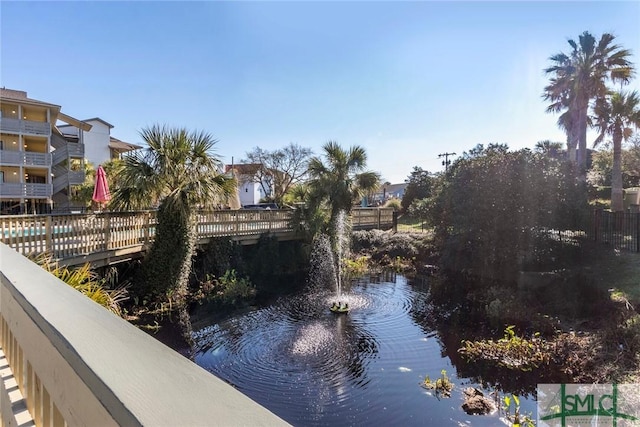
(235, 290)
(493, 204)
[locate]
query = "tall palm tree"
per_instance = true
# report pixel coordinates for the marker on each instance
(178, 173)
(341, 179)
(579, 78)
(616, 115)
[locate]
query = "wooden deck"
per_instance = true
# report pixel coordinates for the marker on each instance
(112, 237)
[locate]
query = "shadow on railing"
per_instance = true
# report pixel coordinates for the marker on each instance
(76, 363)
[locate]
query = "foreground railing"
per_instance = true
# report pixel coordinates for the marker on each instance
(74, 235)
(75, 363)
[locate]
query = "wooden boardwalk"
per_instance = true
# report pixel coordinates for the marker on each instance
(110, 237)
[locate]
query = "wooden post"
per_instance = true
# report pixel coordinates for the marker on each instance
(147, 215)
(48, 232)
(107, 231)
(235, 228)
(379, 215)
(395, 221)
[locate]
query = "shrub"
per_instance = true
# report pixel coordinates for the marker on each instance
(85, 281)
(393, 203)
(235, 290)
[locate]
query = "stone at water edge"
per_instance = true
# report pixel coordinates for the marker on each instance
(475, 402)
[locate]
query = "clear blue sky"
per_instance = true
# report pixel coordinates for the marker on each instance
(406, 80)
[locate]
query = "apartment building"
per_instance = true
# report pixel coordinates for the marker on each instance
(43, 152)
(37, 164)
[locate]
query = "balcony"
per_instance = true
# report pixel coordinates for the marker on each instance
(24, 158)
(25, 126)
(68, 150)
(9, 190)
(65, 178)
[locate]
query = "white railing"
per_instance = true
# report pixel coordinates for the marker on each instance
(24, 158)
(25, 126)
(22, 190)
(75, 363)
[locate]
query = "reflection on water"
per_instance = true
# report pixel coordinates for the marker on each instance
(314, 367)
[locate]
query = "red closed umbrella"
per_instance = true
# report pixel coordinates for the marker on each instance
(101, 192)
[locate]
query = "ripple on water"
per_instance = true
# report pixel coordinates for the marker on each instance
(314, 367)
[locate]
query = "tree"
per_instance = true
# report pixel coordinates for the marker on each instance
(616, 115)
(279, 169)
(550, 148)
(341, 179)
(178, 172)
(580, 77)
(419, 185)
(494, 209)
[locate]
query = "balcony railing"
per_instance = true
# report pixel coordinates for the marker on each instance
(25, 126)
(24, 158)
(70, 149)
(76, 177)
(75, 149)
(65, 178)
(25, 190)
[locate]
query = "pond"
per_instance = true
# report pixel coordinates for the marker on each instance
(312, 367)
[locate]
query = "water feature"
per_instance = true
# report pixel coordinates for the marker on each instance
(312, 367)
(341, 247)
(328, 255)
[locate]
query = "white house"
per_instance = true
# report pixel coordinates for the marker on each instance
(249, 189)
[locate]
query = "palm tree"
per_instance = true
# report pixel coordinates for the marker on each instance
(549, 148)
(178, 173)
(616, 115)
(342, 180)
(580, 77)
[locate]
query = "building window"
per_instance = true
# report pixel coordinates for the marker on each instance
(1, 176)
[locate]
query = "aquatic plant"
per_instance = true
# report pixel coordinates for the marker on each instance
(510, 351)
(355, 266)
(517, 419)
(442, 385)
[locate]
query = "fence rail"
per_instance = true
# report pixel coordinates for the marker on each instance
(76, 235)
(618, 229)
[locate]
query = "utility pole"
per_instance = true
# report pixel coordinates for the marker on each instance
(446, 162)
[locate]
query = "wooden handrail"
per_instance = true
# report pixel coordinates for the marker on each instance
(74, 235)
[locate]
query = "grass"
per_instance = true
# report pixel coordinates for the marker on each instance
(407, 224)
(619, 271)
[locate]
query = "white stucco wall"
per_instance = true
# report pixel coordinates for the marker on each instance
(96, 143)
(250, 193)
